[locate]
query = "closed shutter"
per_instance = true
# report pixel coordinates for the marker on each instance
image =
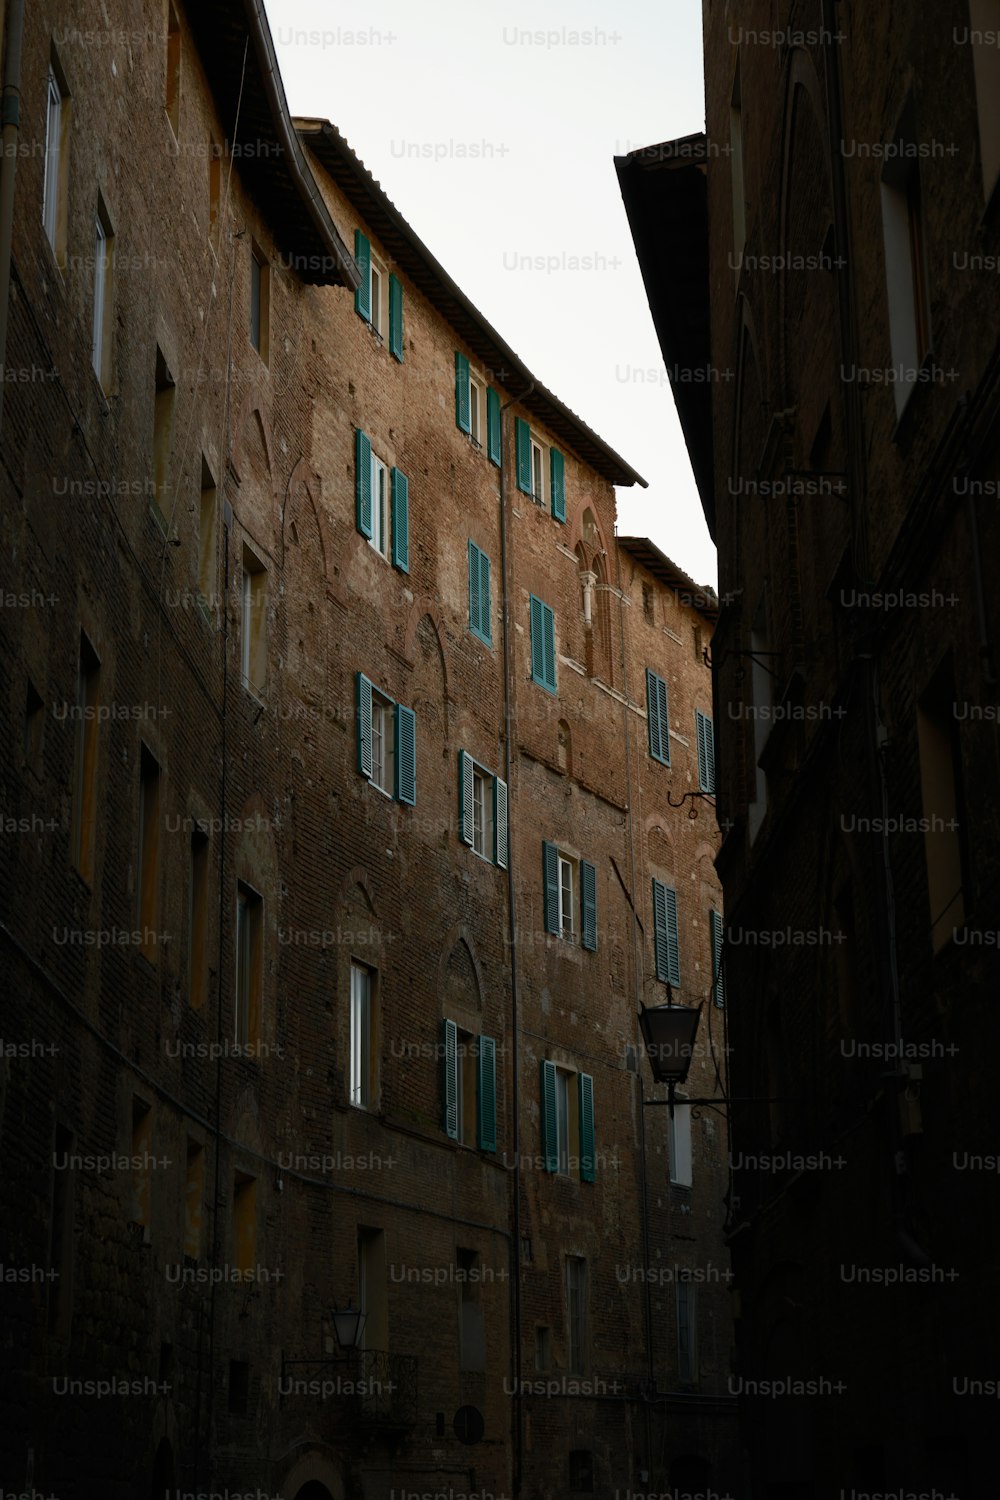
(487, 1094)
(658, 714)
(550, 878)
(706, 752)
(493, 425)
(588, 1158)
(500, 836)
(395, 318)
(363, 483)
(463, 394)
(550, 1131)
(665, 934)
(450, 1081)
(465, 810)
(485, 603)
(363, 717)
(543, 645)
(400, 521)
(363, 294)
(406, 755)
(588, 895)
(557, 469)
(719, 990)
(522, 434)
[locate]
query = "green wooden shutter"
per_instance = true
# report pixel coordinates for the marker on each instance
(395, 317)
(550, 1130)
(485, 602)
(363, 483)
(550, 878)
(406, 755)
(363, 717)
(465, 812)
(474, 610)
(549, 624)
(557, 467)
(522, 434)
(537, 640)
(493, 425)
(658, 714)
(450, 1082)
(400, 521)
(363, 294)
(718, 982)
(588, 893)
(706, 752)
(665, 934)
(500, 834)
(463, 394)
(487, 1134)
(588, 1159)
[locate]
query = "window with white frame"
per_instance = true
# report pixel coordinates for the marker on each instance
(482, 813)
(679, 1145)
(379, 282)
(100, 343)
(380, 504)
(563, 1120)
(383, 744)
(253, 623)
(537, 471)
(53, 191)
(567, 897)
(475, 410)
(361, 1082)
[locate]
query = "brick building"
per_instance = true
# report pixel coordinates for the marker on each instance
(825, 254)
(343, 835)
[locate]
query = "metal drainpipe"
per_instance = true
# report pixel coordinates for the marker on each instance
(512, 940)
(10, 116)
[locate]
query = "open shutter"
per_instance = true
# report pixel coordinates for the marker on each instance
(588, 895)
(465, 813)
(718, 983)
(558, 475)
(363, 294)
(665, 934)
(550, 876)
(485, 605)
(406, 755)
(550, 1137)
(537, 640)
(523, 452)
(450, 1081)
(500, 822)
(474, 607)
(395, 318)
(549, 627)
(400, 521)
(493, 425)
(463, 395)
(588, 1159)
(363, 482)
(487, 1134)
(363, 716)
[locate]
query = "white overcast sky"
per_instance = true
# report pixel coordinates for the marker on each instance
(432, 81)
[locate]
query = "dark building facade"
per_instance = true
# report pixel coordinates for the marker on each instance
(821, 270)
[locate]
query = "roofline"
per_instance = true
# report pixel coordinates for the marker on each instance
(640, 547)
(616, 470)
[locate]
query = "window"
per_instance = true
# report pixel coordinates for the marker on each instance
(472, 394)
(85, 777)
(941, 795)
(142, 1162)
(687, 1341)
(253, 624)
(387, 742)
(34, 728)
(905, 262)
(244, 1223)
(194, 1199)
(576, 1314)
(214, 189)
(249, 965)
(378, 282)
(543, 645)
(568, 1122)
(985, 18)
(647, 603)
(658, 716)
(260, 301)
(149, 855)
(537, 473)
(480, 603)
(471, 1333)
(475, 411)
(379, 298)
(172, 92)
(163, 420)
(705, 736)
(362, 1081)
(55, 190)
(382, 504)
(198, 918)
(540, 469)
(470, 1087)
(100, 352)
(736, 171)
(716, 929)
(373, 1298)
(563, 875)
(665, 939)
(482, 809)
(679, 1145)
(543, 1348)
(207, 533)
